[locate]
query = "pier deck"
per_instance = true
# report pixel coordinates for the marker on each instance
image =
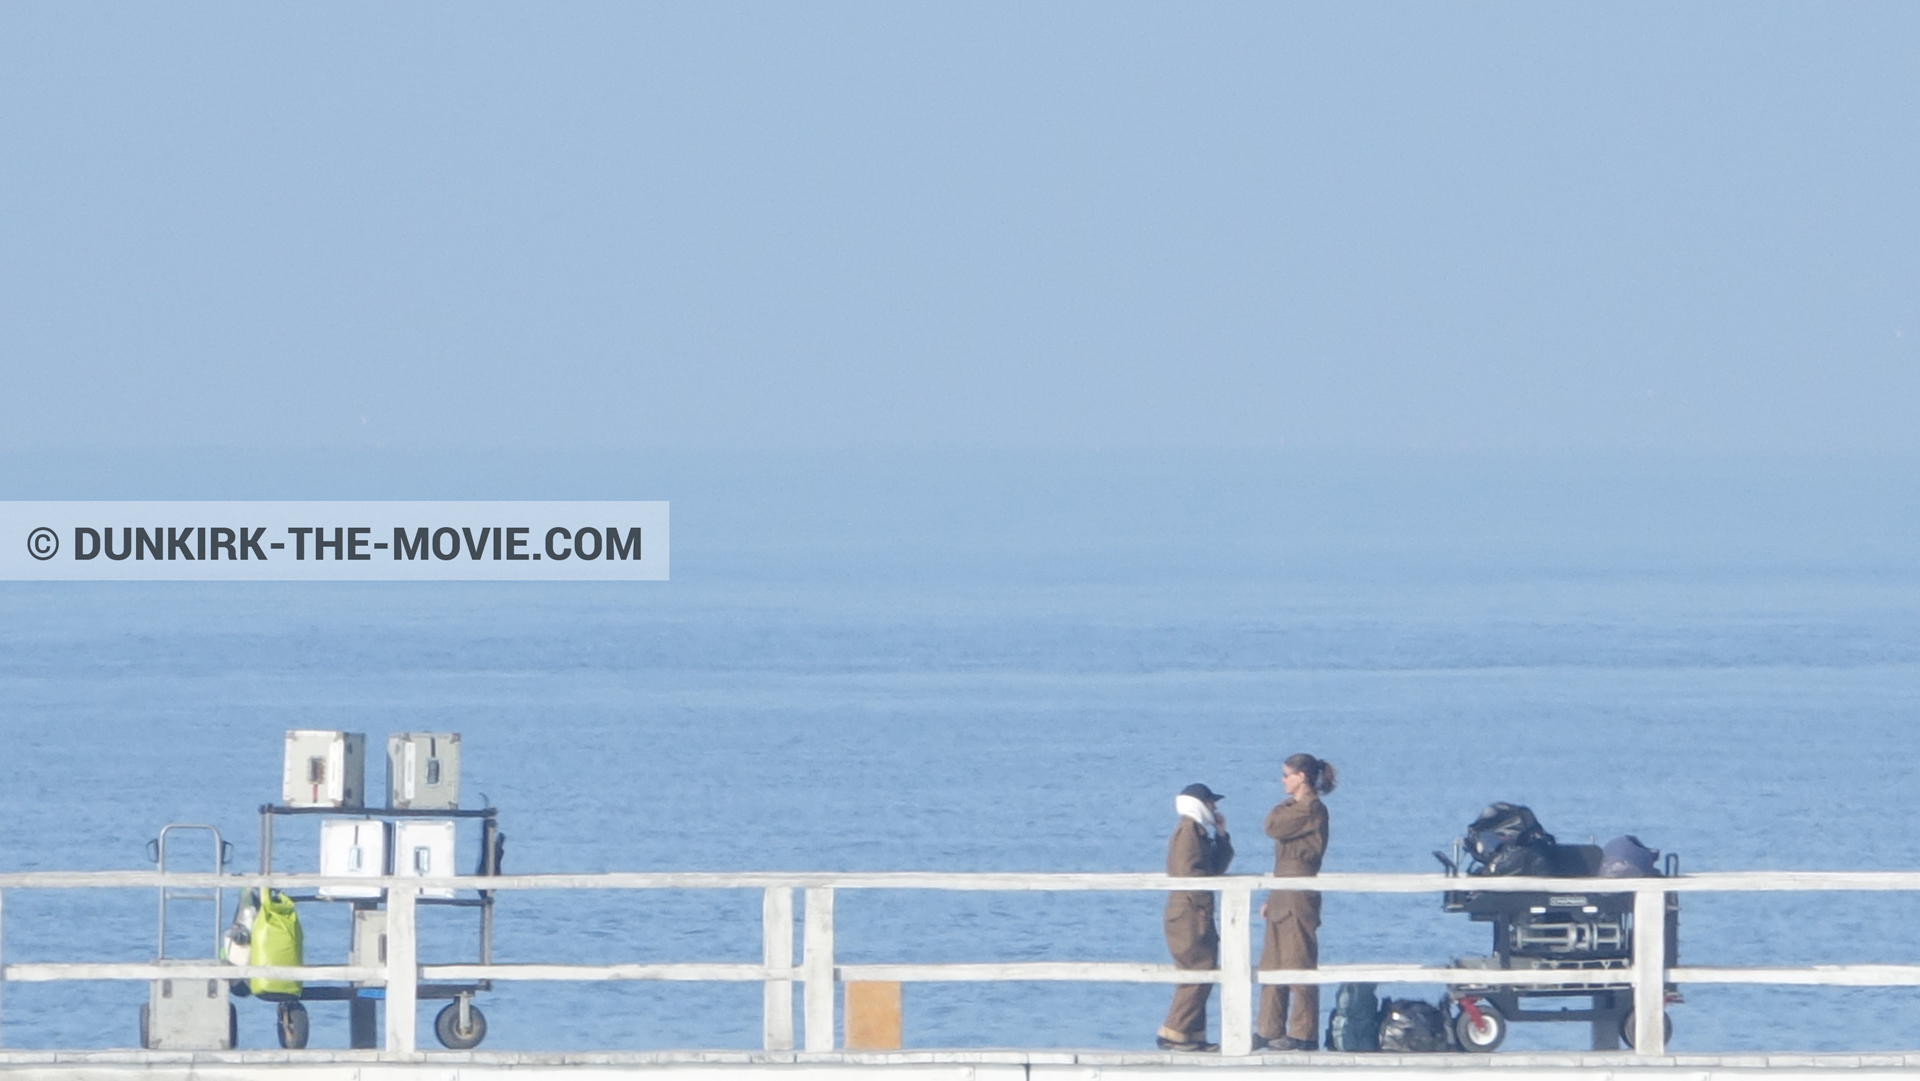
(1062, 1065)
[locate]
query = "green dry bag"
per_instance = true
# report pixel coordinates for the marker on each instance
(276, 941)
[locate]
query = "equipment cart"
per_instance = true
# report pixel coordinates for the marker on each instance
(1583, 930)
(460, 1026)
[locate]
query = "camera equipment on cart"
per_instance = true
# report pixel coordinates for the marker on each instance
(1583, 930)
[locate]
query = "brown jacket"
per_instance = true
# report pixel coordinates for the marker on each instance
(1299, 831)
(1193, 854)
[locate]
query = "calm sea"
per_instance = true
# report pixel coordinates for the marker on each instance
(1003, 662)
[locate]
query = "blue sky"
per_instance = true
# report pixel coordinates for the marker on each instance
(1506, 227)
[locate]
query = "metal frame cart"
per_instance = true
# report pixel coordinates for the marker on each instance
(1581, 930)
(460, 1026)
(178, 1014)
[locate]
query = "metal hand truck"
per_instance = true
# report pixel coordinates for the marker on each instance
(188, 1014)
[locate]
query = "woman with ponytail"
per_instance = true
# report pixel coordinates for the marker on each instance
(1298, 827)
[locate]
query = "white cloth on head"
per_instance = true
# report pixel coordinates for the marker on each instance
(1195, 808)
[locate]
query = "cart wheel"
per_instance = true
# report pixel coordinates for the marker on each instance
(1483, 1036)
(293, 1025)
(1626, 1028)
(447, 1027)
(146, 1041)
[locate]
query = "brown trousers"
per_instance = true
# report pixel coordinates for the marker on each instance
(1194, 943)
(1292, 941)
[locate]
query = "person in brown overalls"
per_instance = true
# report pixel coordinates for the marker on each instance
(1198, 848)
(1298, 827)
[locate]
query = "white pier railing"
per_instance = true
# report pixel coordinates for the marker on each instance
(818, 973)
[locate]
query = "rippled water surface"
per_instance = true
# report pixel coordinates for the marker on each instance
(986, 663)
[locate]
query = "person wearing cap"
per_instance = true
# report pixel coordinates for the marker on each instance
(1198, 848)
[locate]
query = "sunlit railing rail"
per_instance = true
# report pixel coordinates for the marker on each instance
(817, 971)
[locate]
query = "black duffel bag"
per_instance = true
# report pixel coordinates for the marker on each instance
(1412, 1025)
(1507, 840)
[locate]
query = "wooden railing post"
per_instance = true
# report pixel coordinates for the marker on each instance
(1236, 972)
(776, 951)
(817, 964)
(403, 970)
(1650, 970)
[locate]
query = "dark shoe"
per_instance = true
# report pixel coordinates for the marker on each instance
(1288, 1043)
(1173, 1045)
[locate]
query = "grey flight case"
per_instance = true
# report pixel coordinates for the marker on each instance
(423, 771)
(187, 1015)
